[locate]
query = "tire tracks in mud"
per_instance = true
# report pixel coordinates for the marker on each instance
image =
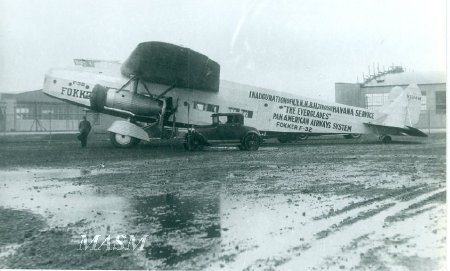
(335, 231)
(404, 195)
(352, 228)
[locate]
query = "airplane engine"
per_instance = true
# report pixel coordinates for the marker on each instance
(124, 103)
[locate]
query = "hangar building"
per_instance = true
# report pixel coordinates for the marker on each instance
(374, 91)
(33, 111)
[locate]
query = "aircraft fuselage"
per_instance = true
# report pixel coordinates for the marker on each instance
(268, 110)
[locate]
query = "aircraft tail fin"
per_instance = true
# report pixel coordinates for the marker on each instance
(403, 109)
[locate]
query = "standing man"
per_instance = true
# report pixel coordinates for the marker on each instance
(84, 127)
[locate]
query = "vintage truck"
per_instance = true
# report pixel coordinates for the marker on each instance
(226, 129)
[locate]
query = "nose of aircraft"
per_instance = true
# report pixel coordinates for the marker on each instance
(60, 85)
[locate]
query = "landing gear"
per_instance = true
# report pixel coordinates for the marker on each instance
(302, 137)
(385, 139)
(193, 143)
(291, 138)
(352, 136)
(123, 141)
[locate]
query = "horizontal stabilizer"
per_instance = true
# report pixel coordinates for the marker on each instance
(415, 132)
(389, 130)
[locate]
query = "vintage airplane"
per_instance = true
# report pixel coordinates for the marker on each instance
(164, 86)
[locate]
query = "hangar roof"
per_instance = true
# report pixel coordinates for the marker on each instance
(34, 96)
(406, 78)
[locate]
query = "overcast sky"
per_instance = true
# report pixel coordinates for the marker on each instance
(301, 47)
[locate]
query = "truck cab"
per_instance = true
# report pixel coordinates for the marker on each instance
(226, 128)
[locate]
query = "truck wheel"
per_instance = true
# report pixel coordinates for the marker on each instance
(251, 142)
(123, 141)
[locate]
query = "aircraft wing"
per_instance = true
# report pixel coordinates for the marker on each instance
(390, 130)
(172, 65)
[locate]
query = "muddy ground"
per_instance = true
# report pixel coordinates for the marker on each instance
(325, 203)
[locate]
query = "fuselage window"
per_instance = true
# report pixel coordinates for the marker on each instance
(212, 108)
(247, 113)
(206, 107)
(199, 106)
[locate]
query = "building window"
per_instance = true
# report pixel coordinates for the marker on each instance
(47, 113)
(23, 113)
(440, 102)
(234, 110)
(423, 101)
(2, 112)
(376, 100)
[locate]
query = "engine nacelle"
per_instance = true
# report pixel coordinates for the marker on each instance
(123, 103)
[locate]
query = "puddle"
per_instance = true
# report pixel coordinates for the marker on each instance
(61, 202)
(181, 228)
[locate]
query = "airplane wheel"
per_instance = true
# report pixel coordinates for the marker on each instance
(123, 141)
(303, 137)
(386, 139)
(352, 136)
(251, 142)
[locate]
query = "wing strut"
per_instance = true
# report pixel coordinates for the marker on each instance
(126, 84)
(165, 92)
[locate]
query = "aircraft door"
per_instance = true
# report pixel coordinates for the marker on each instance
(264, 117)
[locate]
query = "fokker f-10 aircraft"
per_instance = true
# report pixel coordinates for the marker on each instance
(164, 85)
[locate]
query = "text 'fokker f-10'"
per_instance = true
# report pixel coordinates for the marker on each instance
(164, 86)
